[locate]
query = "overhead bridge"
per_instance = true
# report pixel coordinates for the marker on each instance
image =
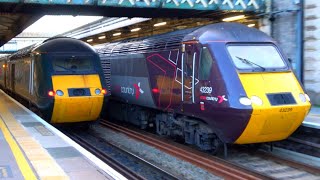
(36, 6)
(16, 15)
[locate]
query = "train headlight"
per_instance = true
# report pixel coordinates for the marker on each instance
(51, 93)
(97, 91)
(302, 97)
(104, 91)
(245, 101)
(59, 93)
(256, 100)
(307, 97)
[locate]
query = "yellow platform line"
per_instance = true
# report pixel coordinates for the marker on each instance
(44, 165)
(24, 167)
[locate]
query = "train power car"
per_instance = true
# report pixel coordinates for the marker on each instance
(220, 83)
(61, 79)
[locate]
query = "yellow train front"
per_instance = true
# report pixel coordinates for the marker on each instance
(61, 78)
(279, 105)
(254, 95)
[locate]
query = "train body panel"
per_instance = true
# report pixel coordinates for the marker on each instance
(131, 80)
(206, 82)
(3, 72)
(133, 90)
(19, 80)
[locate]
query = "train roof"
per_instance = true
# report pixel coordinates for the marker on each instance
(146, 44)
(55, 45)
(64, 44)
(227, 32)
(222, 32)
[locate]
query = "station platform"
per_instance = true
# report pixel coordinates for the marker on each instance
(30, 148)
(313, 118)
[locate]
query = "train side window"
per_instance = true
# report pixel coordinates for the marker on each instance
(205, 65)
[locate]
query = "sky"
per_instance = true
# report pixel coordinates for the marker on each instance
(59, 24)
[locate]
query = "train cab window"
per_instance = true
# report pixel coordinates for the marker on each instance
(205, 65)
(256, 57)
(72, 64)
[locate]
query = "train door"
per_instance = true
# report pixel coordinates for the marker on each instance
(31, 75)
(5, 69)
(12, 77)
(189, 59)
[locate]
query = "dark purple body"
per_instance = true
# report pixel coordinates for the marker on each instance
(158, 77)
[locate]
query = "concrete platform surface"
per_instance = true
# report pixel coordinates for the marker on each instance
(33, 149)
(313, 118)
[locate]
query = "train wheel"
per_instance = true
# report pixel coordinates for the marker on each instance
(208, 141)
(217, 145)
(162, 129)
(161, 125)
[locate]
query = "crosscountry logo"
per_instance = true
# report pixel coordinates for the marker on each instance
(222, 98)
(138, 90)
(219, 99)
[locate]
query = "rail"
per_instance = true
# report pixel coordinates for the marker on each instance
(218, 167)
(105, 158)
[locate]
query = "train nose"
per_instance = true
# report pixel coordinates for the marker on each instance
(79, 102)
(282, 111)
(76, 110)
(272, 124)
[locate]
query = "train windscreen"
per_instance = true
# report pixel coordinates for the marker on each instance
(72, 64)
(256, 57)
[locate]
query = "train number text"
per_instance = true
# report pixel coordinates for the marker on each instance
(206, 90)
(285, 110)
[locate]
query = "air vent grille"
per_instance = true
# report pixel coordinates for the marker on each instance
(281, 99)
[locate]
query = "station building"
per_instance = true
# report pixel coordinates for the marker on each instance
(299, 38)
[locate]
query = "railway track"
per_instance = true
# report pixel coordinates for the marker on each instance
(98, 148)
(305, 140)
(257, 165)
(214, 165)
(294, 164)
(277, 166)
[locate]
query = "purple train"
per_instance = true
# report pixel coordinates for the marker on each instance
(220, 83)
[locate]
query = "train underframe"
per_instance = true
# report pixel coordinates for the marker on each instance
(189, 129)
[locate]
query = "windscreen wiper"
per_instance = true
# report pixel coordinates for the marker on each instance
(246, 61)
